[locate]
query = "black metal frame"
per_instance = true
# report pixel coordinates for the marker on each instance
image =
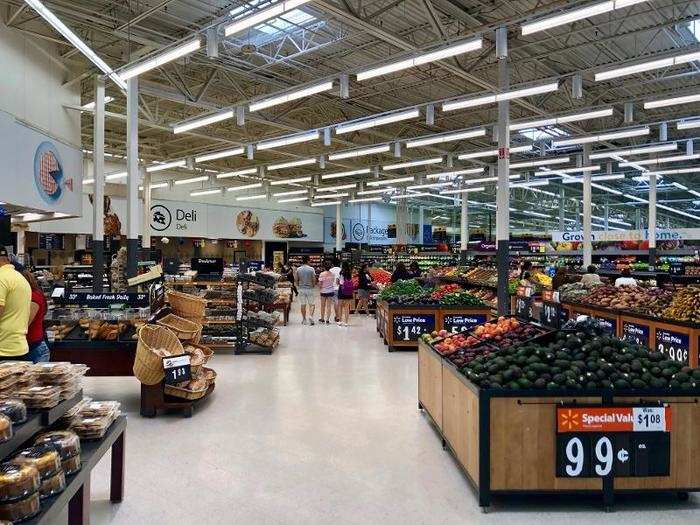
(243, 344)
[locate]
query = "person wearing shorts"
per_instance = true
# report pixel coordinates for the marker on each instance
(365, 282)
(305, 279)
(346, 289)
(327, 282)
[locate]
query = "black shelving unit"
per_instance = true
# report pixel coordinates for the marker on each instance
(246, 325)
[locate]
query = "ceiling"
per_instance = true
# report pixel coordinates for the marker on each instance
(329, 38)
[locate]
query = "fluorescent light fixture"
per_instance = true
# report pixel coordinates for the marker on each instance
(506, 95)
(410, 195)
(219, 154)
(431, 185)
(174, 53)
(31, 216)
(238, 173)
(358, 153)
(202, 121)
(293, 192)
(664, 207)
(660, 160)
(290, 181)
(579, 180)
(287, 141)
(377, 121)
(543, 162)
(576, 14)
(535, 213)
(588, 115)
(166, 166)
(688, 124)
(294, 199)
(530, 184)
(245, 187)
(88, 181)
(289, 97)
(605, 188)
(366, 199)
(446, 137)
(157, 185)
(262, 15)
(252, 197)
(679, 171)
(390, 181)
(413, 163)
(492, 153)
(464, 190)
(116, 176)
(648, 66)
(374, 192)
(91, 106)
(470, 171)
(679, 186)
(293, 164)
(675, 101)
(637, 132)
(336, 188)
(566, 171)
(332, 203)
(81, 46)
(446, 52)
(205, 192)
(334, 196)
(634, 198)
(191, 180)
(489, 179)
(633, 151)
(341, 174)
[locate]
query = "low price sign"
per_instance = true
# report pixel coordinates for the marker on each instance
(462, 322)
(630, 441)
(675, 345)
(635, 333)
(409, 327)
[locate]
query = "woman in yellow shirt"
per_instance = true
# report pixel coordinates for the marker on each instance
(15, 301)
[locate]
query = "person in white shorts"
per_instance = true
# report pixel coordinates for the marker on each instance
(306, 283)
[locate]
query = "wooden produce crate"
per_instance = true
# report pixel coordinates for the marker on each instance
(506, 442)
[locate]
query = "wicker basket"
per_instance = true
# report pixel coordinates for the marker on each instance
(185, 393)
(208, 352)
(148, 366)
(210, 374)
(184, 329)
(186, 305)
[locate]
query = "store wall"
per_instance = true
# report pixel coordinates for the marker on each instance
(31, 86)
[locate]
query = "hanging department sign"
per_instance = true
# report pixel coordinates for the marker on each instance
(676, 234)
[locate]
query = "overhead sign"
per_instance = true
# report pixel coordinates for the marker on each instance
(675, 234)
(48, 173)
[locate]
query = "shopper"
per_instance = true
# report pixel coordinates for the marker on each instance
(525, 266)
(400, 273)
(327, 282)
(15, 298)
(345, 294)
(306, 283)
(287, 271)
(590, 278)
(36, 337)
(526, 280)
(363, 289)
(414, 270)
(625, 279)
(335, 270)
(561, 277)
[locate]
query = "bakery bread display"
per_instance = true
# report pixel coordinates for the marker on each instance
(40, 396)
(18, 481)
(53, 485)
(15, 409)
(67, 442)
(45, 458)
(20, 510)
(71, 465)
(95, 418)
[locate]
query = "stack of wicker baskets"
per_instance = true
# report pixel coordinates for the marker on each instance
(186, 305)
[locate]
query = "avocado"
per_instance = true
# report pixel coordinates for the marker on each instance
(638, 383)
(655, 371)
(540, 383)
(559, 379)
(552, 386)
(508, 375)
(668, 372)
(493, 369)
(696, 374)
(561, 363)
(636, 365)
(687, 385)
(521, 360)
(621, 384)
(573, 342)
(674, 384)
(658, 382)
(656, 356)
(533, 359)
(570, 383)
(524, 383)
(513, 385)
(531, 375)
(592, 366)
(605, 383)
(682, 377)
(562, 356)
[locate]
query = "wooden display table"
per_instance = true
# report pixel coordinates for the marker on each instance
(105, 358)
(505, 441)
(402, 326)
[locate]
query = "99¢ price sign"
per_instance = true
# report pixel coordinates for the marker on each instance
(613, 441)
(409, 327)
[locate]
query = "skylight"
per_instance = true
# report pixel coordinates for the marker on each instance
(276, 25)
(543, 133)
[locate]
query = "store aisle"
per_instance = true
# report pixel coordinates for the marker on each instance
(325, 431)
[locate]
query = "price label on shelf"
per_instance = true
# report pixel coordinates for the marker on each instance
(613, 441)
(635, 333)
(409, 327)
(456, 323)
(675, 345)
(551, 314)
(177, 369)
(523, 307)
(609, 326)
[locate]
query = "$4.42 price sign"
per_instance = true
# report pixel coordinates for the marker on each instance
(177, 369)
(409, 327)
(618, 441)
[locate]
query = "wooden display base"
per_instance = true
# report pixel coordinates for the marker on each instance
(400, 333)
(505, 440)
(105, 358)
(153, 399)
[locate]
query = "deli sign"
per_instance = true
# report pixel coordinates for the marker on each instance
(173, 218)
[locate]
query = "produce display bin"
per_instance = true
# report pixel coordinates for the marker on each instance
(402, 326)
(609, 318)
(505, 441)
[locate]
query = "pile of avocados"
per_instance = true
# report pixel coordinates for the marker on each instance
(580, 360)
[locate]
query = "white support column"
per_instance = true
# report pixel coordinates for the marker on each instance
(132, 168)
(503, 187)
(607, 216)
(98, 174)
(587, 192)
(338, 228)
(562, 209)
(421, 222)
(652, 222)
(146, 220)
(369, 223)
(22, 244)
(464, 229)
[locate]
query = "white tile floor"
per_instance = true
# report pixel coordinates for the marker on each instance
(324, 431)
